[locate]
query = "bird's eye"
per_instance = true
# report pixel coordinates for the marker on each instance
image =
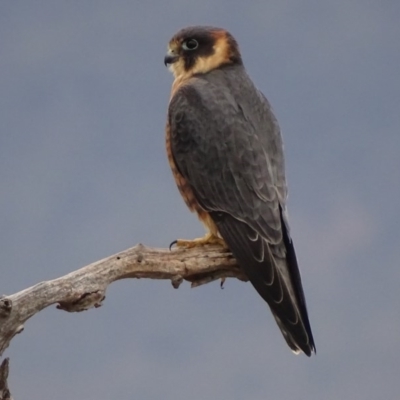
(190, 44)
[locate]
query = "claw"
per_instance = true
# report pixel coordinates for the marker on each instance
(208, 239)
(222, 283)
(172, 244)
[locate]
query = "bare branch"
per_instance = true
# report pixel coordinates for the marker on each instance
(86, 287)
(4, 391)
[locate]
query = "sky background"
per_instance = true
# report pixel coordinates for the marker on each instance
(83, 175)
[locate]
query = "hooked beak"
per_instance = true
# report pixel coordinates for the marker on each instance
(170, 58)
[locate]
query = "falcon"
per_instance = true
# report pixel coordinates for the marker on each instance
(225, 150)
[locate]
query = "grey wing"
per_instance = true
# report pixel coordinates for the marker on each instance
(230, 153)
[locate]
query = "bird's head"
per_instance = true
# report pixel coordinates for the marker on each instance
(201, 49)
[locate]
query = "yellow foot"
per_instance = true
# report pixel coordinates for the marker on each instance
(209, 238)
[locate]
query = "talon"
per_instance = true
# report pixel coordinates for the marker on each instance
(208, 239)
(172, 244)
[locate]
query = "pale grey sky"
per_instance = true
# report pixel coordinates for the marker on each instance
(83, 174)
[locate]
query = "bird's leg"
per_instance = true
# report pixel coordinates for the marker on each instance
(209, 238)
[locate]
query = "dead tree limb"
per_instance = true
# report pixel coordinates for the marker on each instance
(86, 287)
(4, 391)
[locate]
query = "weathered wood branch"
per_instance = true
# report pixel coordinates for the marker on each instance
(86, 287)
(4, 391)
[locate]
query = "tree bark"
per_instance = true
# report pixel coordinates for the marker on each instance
(4, 391)
(86, 287)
